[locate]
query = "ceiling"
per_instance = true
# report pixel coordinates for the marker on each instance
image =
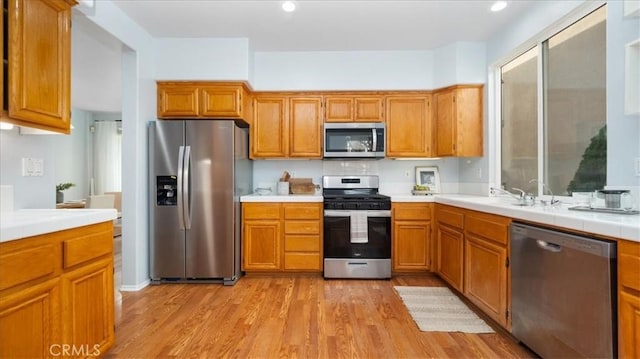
(326, 25)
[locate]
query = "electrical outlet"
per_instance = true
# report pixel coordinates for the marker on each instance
(407, 173)
(637, 166)
(479, 173)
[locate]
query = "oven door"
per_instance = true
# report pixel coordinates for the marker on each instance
(337, 235)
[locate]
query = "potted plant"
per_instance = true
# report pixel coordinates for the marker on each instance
(61, 187)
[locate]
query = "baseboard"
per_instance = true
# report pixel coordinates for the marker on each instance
(134, 288)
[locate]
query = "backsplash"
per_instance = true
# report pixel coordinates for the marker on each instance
(396, 176)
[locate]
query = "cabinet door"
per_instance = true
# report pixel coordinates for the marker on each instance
(458, 122)
(450, 255)
(261, 245)
(629, 324)
(485, 277)
(30, 321)
(368, 109)
(269, 133)
(177, 101)
(39, 64)
(408, 126)
(445, 124)
(411, 245)
(338, 109)
(88, 301)
(305, 127)
(221, 101)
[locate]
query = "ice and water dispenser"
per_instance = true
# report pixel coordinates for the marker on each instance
(167, 190)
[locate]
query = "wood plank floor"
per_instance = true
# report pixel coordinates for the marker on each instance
(289, 317)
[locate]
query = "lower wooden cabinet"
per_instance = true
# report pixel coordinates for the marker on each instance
(411, 237)
(58, 299)
(450, 245)
(485, 263)
(282, 236)
(628, 299)
(30, 321)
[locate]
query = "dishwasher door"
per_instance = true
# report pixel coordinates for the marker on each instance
(563, 293)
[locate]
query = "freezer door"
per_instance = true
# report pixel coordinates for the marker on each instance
(210, 210)
(167, 239)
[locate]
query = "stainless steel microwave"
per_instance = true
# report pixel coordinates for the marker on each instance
(354, 140)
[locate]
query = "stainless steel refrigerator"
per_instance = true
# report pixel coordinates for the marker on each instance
(198, 169)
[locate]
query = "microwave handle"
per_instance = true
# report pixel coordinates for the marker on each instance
(374, 143)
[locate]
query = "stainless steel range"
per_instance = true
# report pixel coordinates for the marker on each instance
(357, 228)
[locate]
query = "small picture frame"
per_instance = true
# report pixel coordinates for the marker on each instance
(428, 176)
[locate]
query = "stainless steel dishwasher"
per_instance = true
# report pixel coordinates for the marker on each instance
(563, 298)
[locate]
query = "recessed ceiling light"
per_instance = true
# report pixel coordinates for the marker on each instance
(289, 6)
(498, 6)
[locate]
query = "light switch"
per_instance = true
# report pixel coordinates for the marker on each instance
(638, 166)
(32, 167)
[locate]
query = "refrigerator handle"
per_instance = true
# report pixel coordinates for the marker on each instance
(180, 186)
(187, 188)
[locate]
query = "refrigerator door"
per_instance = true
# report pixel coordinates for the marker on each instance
(210, 212)
(167, 244)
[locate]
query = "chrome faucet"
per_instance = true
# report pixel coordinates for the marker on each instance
(523, 198)
(553, 201)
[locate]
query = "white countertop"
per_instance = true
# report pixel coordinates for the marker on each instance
(612, 225)
(277, 198)
(32, 222)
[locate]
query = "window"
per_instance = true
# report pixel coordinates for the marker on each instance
(553, 111)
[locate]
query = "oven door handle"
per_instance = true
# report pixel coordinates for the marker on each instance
(337, 213)
(369, 213)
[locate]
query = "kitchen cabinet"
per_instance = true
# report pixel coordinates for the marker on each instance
(203, 99)
(282, 237)
(302, 233)
(628, 299)
(348, 108)
(485, 263)
(409, 125)
(411, 236)
(261, 236)
(458, 121)
(57, 289)
(450, 244)
(286, 127)
(36, 64)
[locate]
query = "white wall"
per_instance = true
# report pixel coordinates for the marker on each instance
(201, 59)
(72, 156)
(623, 131)
(354, 70)
(138, 107)
(28, 192)
(460, 63)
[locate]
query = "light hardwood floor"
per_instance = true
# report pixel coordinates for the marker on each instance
(288, 317)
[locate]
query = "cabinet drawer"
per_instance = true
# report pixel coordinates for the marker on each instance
(26, 264)
(412, 211)
(488, 226)
(87, 247)
(293, 243)
(261, 211)
(629, 264)
(302, 211)
(450, 216)
(302, 227)
(302, 261)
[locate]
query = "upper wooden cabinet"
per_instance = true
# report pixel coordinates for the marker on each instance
(345, 108)
(207, 100)
(37, 65)
(458, 121)
(408, 120)
(286, 126)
